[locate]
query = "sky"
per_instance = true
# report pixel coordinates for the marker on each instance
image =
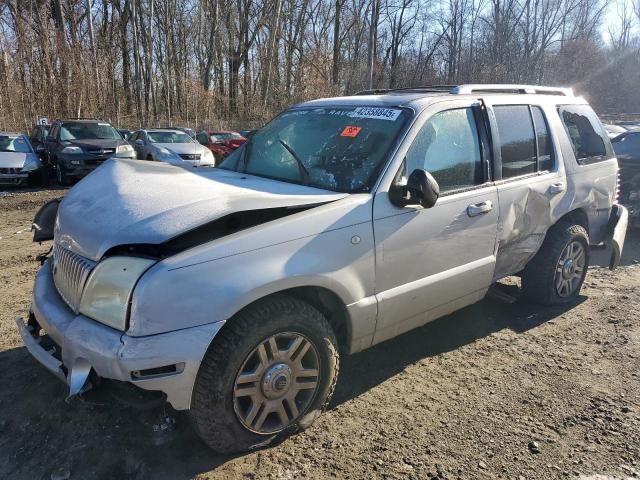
(612, 18)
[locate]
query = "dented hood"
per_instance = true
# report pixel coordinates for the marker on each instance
(135, 202)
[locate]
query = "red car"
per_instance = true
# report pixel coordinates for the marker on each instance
(220, 142)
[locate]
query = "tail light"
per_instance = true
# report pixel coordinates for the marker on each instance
(616, 197)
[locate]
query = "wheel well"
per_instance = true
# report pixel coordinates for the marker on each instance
(328, 304)
(576, 217)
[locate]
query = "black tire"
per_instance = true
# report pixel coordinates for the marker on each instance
(37, 178)
(212, 407)
(539, 277)
(62, 179)
(149, 158)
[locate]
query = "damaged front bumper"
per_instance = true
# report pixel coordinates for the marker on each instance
(167, 362)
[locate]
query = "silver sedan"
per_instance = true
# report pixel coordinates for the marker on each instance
(170, 146)
(19, 163)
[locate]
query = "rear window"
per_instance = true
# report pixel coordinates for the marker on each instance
(585, 131)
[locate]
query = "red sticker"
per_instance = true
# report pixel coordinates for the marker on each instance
(350, 131)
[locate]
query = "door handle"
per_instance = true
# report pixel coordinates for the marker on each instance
(479, 208)
(556, 188)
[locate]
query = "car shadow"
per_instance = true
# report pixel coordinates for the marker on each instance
(365, 370)
(119, 431)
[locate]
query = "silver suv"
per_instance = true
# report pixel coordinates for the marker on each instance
(342, 223)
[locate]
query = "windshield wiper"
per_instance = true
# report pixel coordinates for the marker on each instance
(303, 169)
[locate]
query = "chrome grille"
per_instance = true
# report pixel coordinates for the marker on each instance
(70, 272)
(190, 156)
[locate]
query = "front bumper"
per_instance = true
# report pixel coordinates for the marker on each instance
(167, 362)
(13, 178)
(616, 233)
(87, 164)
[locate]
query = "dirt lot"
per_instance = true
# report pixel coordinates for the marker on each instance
(462, 397)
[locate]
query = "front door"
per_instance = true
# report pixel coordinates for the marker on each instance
(430, 262)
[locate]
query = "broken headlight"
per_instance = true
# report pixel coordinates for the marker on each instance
(107, 294)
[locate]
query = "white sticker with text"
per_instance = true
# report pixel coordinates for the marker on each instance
(377, 113)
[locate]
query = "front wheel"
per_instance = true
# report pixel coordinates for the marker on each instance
(556, 273)
(271, 372)
(62, 179)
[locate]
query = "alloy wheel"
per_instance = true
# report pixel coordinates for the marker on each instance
(276, 383)
(570, 269)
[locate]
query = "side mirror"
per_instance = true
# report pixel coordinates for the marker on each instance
(139, 142)
(421, 189)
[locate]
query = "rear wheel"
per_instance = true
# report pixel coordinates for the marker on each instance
(270, 373)
(557, 272)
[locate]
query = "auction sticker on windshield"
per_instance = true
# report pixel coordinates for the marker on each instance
(376, 113)
(350, 131)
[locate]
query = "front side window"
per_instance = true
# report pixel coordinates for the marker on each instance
(88, 131)
(585, 132)
(340, 149)
(448, 147)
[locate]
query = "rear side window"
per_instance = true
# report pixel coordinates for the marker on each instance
(543, 140)
(586, 133)
(517, 140)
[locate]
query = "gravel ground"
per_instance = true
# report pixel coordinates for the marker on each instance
(494, 391)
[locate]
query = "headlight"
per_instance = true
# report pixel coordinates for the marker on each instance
(206, 156)
(108, 290)
(124, 149)
(71, 150)
(31, 163)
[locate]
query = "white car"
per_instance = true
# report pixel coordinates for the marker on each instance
(171, 146)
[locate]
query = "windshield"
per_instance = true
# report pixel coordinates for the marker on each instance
(217, 137)
(88, 131)
(169, 137)
(340, 149)
(14, 143)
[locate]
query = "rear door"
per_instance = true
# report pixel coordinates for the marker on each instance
(432, 261)
(530, 180)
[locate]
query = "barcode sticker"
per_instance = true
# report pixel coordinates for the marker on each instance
(377, 113)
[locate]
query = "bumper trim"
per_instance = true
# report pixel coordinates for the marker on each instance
(40, 354)
(617, 232)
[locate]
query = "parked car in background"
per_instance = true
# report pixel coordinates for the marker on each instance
(221, 143)
(189, 131)
(75, 147)
(342, 223)
(38, 138)
(247, 133)
(170, 146)
(19, 163)
(627, 148)
(126, 133)
(613, 130)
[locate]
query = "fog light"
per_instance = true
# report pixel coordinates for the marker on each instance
(157, 371)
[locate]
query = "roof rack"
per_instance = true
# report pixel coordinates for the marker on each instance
(474, 88)
(511, 88)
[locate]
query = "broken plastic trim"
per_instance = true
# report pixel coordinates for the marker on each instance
(44, 221)
(218, 228)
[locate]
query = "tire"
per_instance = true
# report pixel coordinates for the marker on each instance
(149, 158)
(37, 178)
(541, 282)
(220, 412)
(62, 179)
